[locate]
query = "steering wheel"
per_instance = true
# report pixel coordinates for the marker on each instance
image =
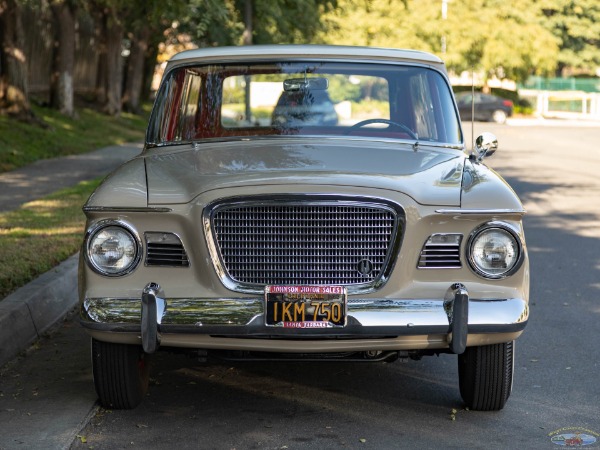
(391, 123)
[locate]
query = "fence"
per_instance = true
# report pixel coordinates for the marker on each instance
(566, 104)
(38, 51)
(562, 84)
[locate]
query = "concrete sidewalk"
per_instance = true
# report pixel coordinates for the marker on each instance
(49, 175)
(28, 313)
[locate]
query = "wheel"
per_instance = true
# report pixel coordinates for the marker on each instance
(485, 376)
(391, 123)
(121, 374)
(499, 116)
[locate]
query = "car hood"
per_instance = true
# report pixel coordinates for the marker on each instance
(428, 175)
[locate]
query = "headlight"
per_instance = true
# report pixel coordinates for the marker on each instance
(113, 249)
(494, 251)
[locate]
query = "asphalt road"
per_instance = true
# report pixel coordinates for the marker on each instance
(46, 397)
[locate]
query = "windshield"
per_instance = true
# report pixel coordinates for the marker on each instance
(304, 98)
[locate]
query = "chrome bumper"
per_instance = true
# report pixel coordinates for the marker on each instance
(453, 320)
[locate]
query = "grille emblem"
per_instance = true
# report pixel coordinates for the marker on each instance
(365, 267)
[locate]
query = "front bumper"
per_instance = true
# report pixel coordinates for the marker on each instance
(453, 323)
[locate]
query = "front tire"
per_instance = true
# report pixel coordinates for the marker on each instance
(485, 376)
(121, 374)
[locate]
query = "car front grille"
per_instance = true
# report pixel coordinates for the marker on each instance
(306, 243)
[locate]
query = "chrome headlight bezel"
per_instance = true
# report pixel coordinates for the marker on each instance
(509, 230)
(97, 228)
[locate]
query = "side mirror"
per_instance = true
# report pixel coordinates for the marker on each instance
(485, 145)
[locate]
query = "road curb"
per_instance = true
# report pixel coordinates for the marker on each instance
(33, 309)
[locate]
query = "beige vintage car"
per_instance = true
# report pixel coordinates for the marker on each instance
(305, 203)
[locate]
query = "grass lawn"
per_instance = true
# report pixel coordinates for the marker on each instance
(39, 235)
(23, 143)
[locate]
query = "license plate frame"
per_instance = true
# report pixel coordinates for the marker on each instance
(304, 307)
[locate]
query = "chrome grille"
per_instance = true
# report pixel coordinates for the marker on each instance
(441, 251)
(303, 244)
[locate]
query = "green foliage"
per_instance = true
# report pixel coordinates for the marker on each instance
(210, 22)
(340, 88)
(221, 22)
(504, 38)
(287, 21)
(576, 23)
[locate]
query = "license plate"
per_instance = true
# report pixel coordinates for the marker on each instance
(306, 306)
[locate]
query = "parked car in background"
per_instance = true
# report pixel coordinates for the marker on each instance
(237, 235)
(303, 107)
(487, 107)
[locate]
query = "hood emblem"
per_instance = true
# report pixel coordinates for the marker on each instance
(365, 267)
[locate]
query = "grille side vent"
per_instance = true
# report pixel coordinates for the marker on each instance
(441, 251)
(166, 250)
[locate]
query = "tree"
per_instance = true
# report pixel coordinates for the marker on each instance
(146, 25)
(493, 36)
(287, 21)
(63, 61)
(496, 36)
(576, 24)
(14, 92)
(134, 79)
(235, 22)
(109, 19)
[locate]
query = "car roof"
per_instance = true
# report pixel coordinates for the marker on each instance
(266, 52)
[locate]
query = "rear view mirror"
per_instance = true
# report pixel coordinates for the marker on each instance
(299, 84)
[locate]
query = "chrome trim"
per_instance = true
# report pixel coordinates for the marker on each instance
(309, 200)
(177, 311)
(245, 316)
(456, 302)
(118, 223)
(148, 209)
(153, 309)
(409, 142)
(504, 226)
(485, 212)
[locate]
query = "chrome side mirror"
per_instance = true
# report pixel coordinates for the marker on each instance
(485, 145)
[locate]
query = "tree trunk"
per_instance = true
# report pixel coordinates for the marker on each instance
(149, 68)
(14, 95)
(135, 70)
(114, 66)
(63, 61)
(100, 20)
(248, 19)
